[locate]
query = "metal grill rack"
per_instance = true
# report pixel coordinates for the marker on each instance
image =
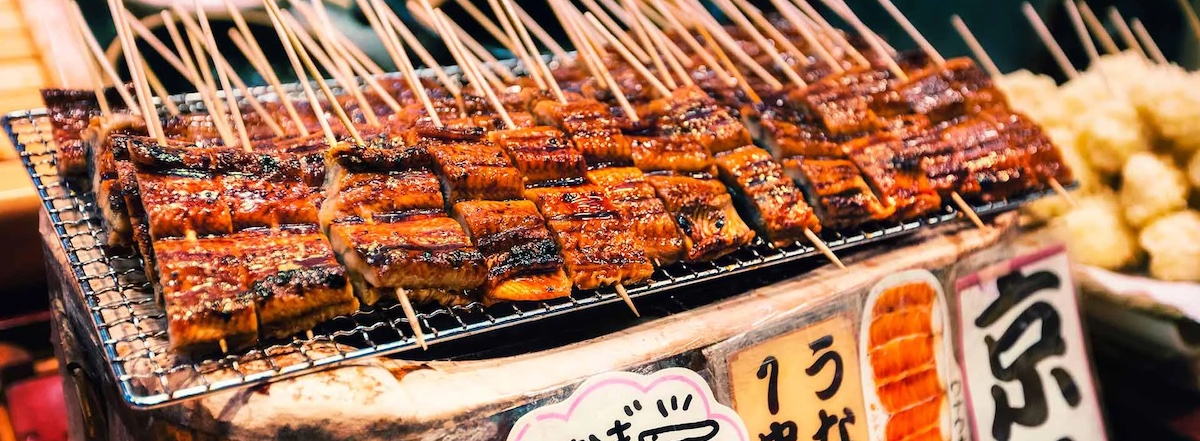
(131, 327)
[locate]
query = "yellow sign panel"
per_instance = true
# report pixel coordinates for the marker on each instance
(803, 385)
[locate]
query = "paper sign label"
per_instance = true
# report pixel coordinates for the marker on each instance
(911, 384)
(1026, 365)
(673, 404)
(801, 385)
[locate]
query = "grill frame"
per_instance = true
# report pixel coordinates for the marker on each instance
(132, 331)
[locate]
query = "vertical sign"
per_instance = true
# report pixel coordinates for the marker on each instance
(802, 385)
(1026, 366)
(911, 386)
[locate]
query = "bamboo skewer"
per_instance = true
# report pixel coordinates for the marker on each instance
(693, 44)
(668, 50)
(629, 57)
(576, 40)
(587, 49)
(528, 42)
(280, 92)
(254, 52)
(1093, 23)
(541, 34)
(793, 16)
(1156, 54)
(94, 76)
(875, 43)
(226, 88)
(976, 48)
(651, 47)
(1055, 50)
(388, 36)
(761, 21)
(1126, 34)
(301, 77)
(326, 60)
(142, 90)
(1088, 45)
(912, 31)
(337, 50)
(98, 55)
(1192, 19)
(471, 44)
(743, 22)
(206, 94)
(157, 87)
(838, 39)
(516, 46)
(411, 40)
(469, 55)
(487, 24)
(723, 38)
(307, 61)
(214, 105)
(613, 28)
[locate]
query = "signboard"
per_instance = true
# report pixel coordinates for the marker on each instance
(671, 404)
(1027, 369)
(801, 385)
(911, 384)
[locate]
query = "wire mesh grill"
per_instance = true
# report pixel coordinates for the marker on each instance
(131, 326)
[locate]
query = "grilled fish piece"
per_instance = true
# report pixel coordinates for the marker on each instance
(597, 248)
(295, 280)
(670, 153)
(995, 169)
(691, 112)
(979, 92)
(70, 111)
(776, 205)
(838, 193)
(594, 130)
(786, 133)
(179, 204)
(522, 260)
(101, 140)
(542, 154)
(476, 171)
(842, 101)
(927, 92)
(897, 180)
(704, 211)
(638, 205)
(420, 252)
(1044, 160)
(205, 291)
(361, 197)
(453, 131)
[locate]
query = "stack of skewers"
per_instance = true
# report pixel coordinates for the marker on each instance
(1127, 128)
(666, 137)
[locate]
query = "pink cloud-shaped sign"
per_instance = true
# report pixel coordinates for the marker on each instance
(673, 404)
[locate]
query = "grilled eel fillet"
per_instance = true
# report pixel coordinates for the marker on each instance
(220, 190)
(257, 283)
(70, 111)
(639, 206)
(691, 112)
(591, 234)
(670, 153)
(842, 101)
(543, 154)
(896, 179)
(776, 205)
(522, 260)
(838, 193)
(386, 220)
(787, 132)
(592, 127)
(704, 211)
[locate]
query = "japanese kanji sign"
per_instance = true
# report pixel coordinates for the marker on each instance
(802, 385)
(671, 404)
(1027, 369)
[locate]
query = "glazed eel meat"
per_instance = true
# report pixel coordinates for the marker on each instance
(237, 253)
